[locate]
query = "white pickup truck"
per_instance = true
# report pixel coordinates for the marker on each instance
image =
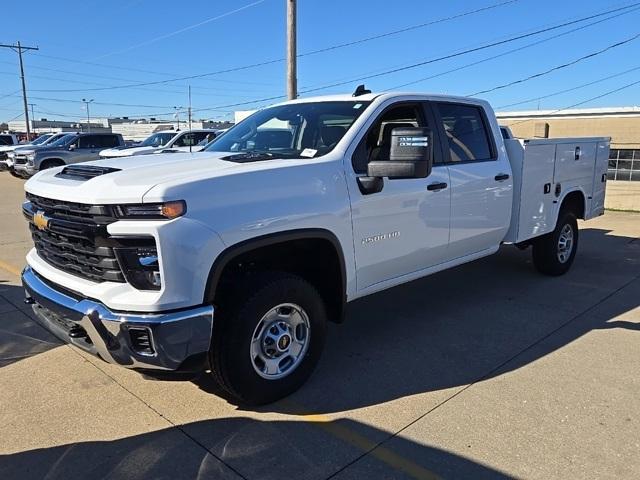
(236, 261)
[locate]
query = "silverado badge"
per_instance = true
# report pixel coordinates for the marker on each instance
(40, 220)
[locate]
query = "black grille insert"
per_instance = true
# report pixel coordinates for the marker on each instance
(74, 238)
(84, 172)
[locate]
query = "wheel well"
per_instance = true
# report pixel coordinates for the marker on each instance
(574, 202)
(51, 162)
(318, 260)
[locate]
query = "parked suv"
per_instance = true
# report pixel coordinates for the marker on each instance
(73, 148)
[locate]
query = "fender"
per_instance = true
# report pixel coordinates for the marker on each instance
(233, 251)
(562, 198)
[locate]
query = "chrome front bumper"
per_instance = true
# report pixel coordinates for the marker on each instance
(177, 340)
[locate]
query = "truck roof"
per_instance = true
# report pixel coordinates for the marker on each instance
(368, 97)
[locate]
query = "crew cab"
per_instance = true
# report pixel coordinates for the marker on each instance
(71, 148)
(235, 262)
(160, 142)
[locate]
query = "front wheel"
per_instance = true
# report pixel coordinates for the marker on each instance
(554, 253)
(267, 341)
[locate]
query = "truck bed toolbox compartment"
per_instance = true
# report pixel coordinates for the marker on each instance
(544, 171)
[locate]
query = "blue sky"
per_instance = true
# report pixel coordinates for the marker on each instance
(93, 44)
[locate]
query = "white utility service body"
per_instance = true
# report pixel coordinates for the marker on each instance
(360, 194)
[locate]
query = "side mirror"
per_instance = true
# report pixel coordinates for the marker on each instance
(411, 155)
(72, 147)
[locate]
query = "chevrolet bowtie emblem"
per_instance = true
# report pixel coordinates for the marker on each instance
(40, 220)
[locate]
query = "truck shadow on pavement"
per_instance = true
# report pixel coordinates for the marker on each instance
(468, 324)
(448, 330)
(234, 448)
(20, 336)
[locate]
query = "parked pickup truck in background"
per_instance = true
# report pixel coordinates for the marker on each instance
(160, 141)
(71, 148)
(8, 139)
(6, 164)
(236, 261)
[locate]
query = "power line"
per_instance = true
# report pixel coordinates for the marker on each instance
(278, 60)
(513, 50)
(568, 90)
(597, 97)
(467, 51)
(184, 29)
(558, 67)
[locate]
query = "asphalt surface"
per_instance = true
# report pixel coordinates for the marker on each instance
(489, 370)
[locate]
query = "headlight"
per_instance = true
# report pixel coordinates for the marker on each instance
(140, 266)
(152, 211)
(31, 158)
(11, 155)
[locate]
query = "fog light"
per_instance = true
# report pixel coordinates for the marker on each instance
(140, 267)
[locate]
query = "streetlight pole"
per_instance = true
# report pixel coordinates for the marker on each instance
(292, 54)
(86, 105)
(177, 115)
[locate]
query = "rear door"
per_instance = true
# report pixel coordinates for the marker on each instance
(87, 148)
(404, 228)
(481, 183)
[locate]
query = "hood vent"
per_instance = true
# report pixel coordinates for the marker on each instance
(84, 172)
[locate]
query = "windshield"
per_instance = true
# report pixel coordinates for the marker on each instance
(290, 131)
(41, 139)
(158, 139)
(62, 140)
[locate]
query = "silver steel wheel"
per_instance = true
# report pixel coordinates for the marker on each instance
(565, 243)
(280, 341)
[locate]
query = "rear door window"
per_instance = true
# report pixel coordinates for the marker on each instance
(466, 132)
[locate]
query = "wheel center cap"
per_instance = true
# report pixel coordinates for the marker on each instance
(283, 342)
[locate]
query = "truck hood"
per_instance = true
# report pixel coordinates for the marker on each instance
(125, 152)
(135, 177)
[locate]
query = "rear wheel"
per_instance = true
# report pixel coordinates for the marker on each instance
(267, 341)
(554, 253)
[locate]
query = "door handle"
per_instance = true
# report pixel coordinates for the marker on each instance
(437, 186)
(501, 176)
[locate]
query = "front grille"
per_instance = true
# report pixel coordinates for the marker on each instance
(20, 159)
(75, 239)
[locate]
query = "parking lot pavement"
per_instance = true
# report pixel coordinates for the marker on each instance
(488, 370)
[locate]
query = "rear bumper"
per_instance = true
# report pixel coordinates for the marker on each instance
(176, 340)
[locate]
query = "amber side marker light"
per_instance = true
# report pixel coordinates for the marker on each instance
(174, 209)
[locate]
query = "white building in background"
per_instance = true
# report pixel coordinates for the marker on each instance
(130, 129)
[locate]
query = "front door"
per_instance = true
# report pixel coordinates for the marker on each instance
(404, 228)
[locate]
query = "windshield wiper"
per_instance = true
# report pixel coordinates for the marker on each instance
(249, 156)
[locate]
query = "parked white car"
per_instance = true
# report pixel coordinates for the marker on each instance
(235, 262)
(165, 140)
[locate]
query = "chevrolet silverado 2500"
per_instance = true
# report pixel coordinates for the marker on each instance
(236, 261)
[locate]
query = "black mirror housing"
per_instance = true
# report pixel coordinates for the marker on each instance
(411, 155)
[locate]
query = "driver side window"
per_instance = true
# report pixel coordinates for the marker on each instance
(376, 144)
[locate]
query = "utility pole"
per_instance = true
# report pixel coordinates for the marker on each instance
(292, 54)
(86, 105)
(191, 133)
(19, 49)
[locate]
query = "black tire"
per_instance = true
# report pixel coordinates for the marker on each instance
(547, 254)
(235, 324)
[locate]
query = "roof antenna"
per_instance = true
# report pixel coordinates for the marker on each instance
(361, 91)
